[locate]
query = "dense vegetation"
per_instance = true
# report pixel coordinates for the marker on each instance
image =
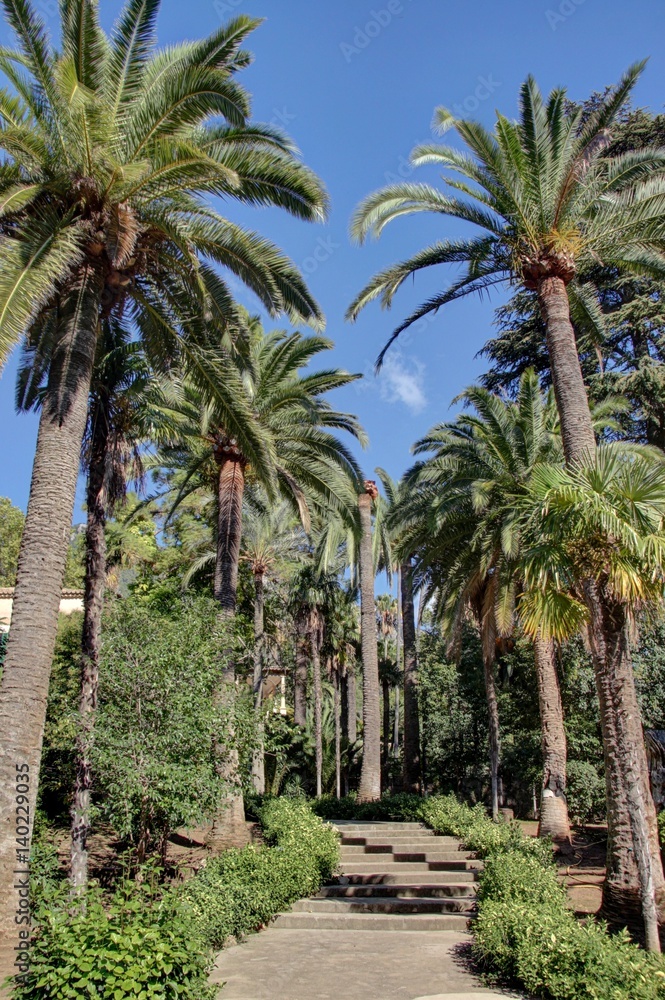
(232, 660)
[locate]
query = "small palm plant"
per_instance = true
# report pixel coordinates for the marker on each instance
(601, 526)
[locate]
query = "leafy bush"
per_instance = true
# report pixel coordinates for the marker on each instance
(585, 791)
(141, 945)
(526, 931)
(661, 827)
(241, 890)
(153, 756)
(151, 944)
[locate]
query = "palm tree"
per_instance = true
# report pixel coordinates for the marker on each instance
(602, 523)
(370, 775)
(271, 541)
(121, 392)
(312, 596)
(109, 148)
(386, 614)
(551, 204)
(306, 463)
(395, 496)
(121, 388)
(467, 519)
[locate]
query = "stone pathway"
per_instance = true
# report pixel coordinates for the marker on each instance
(393, 926)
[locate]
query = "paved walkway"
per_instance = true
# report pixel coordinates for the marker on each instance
(393, 926)
(280, 964)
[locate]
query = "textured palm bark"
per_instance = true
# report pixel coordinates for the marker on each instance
(258, 761)
(95, 582)
(316, 627)
(387, 727)
(370, 774)
(351, 703)
(629, 889)
(412, 764)
(396, 723)
(27, 667)
(579, 442)
(634, 888)
(229, 828)
(494, 731)
(337, 710)
(300, 677)
(554, 820)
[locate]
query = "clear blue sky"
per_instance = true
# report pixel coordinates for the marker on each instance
(355, 83)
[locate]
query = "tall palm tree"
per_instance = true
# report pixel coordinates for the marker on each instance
(370, 775)
(411, 770)
(550, 203)
(271, 540)
(387, 624)
(306, 462)
(109, 150)
(467, 518)
(121, 390)
(313, 594)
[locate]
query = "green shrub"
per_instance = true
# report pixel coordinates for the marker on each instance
(153, 751)
(241, 890)
(525, 931)
(661, 827)
(142, 944)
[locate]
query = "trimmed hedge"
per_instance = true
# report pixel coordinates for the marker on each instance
(151, 943)
(241, 890)
(526, 931)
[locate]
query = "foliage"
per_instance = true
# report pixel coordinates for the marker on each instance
(243, 889)
(57, 771)
(547, 199)
(140, 944)
(11, 529)
(526, 931)
(153, 752)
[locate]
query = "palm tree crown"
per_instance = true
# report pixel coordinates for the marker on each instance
(549, 203)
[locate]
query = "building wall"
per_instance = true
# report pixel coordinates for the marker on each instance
(69, 602)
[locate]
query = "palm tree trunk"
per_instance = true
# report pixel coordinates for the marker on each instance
(337, 707)
(385, 685)
(300, 679)
(229, 828)
(351, 716)
(95, 581)
(632, 831)
(494, 732)
(411, 764)
(258, 762)
(370, 775)
(579, 441)
(554, 821)
(41, 567)
(396, 725)
(315, 640)
(634, 885)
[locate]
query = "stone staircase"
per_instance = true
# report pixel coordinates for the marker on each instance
(394, 876)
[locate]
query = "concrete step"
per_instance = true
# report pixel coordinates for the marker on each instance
(373, 921)
(380, 827)
(380, 844)
(409, 878)
(396, 867)
(444, 890)
(401, 854)
(379, 904)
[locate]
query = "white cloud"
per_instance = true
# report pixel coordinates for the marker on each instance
(401, 381)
